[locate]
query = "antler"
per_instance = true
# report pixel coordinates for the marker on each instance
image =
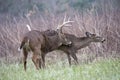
(65, 23)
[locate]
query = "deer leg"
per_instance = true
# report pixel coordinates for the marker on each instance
(37, 62)
(75, 58)
(43, 59)
(37, 58)
(69, 58)
(34, 60)
(25, 53)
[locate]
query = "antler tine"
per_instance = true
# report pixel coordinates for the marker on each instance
(65, 23)
(64, 18)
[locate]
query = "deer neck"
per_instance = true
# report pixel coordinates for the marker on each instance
(83, 42)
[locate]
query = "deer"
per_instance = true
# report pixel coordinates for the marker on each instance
(41, 42)
(77, 44)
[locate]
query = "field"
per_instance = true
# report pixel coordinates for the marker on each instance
(98, 61)
(108, 69)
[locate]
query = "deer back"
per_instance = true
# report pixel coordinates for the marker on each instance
(52, 40)
(35, 39)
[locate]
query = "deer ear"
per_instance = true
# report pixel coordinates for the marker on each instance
(88, 34)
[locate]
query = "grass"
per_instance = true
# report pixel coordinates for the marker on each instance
(102, 70)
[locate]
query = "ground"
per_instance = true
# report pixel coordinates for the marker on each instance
(107, 69)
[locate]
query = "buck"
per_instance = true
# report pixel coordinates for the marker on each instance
(77, 43)
(42, 42)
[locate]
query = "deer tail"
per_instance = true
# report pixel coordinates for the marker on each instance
(22, 44)
(28, 26)
(25, 40)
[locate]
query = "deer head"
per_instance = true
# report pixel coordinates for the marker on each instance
(95, 38)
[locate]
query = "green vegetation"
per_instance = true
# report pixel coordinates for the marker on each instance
(103, 70)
